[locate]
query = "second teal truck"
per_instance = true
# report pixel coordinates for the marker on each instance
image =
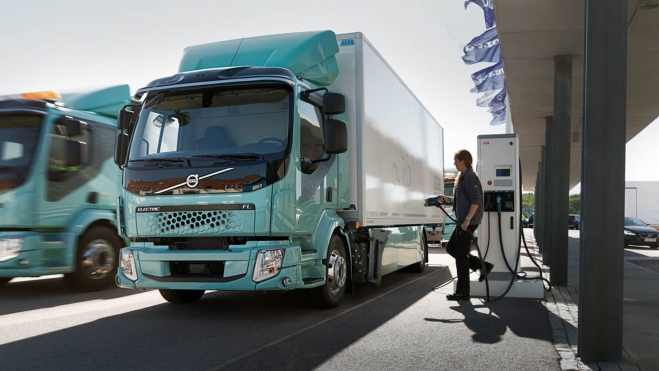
(58, 186)
(295, 161)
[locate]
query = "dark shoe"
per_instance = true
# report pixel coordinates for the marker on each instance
(488, 269)
(457, 296)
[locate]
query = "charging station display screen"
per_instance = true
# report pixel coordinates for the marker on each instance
(503, 172)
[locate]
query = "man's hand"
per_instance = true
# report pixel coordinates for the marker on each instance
(464, 225)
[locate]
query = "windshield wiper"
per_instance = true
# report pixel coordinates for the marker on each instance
(236, 156)
(164, 159)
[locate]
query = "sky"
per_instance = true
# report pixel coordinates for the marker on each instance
(69, 45)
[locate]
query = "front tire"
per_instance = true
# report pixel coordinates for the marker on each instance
(182, 296)
(329, 295)
(96, 259)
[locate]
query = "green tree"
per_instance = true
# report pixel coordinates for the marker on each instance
(574, 205)
(528, 200)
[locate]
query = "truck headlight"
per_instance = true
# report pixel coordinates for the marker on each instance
(9, 248)
(268, 264)
(628, 233)
(127, 264)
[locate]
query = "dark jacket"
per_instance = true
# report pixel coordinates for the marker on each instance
(468, 192)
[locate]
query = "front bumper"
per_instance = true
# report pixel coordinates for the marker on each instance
(638, 240)
(40, 255)
(153, 268)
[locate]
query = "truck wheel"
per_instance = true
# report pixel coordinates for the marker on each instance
(182, 296)
(4, 280)
(420, 266)
(329, 295)
(96, 260)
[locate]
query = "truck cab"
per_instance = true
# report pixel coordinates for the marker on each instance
(237, 176)
(58, 186)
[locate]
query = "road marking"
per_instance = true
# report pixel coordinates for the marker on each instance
(311, 327)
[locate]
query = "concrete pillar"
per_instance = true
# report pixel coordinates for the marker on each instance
(539, 232)
(536, 205)
(603, 180)
(548, 191)
(560, 180)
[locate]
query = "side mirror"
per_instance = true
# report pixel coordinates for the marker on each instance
(125, 119)
(334, 103)
(121, 149)
(73, 127)
(336, 136)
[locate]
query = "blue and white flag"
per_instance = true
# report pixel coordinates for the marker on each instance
(488, 10)
(483, 48)
(498, 115)
(494, 98)
(490, 78)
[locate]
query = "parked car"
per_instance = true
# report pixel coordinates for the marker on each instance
(574, 221)
(530, 223)
(638, 232)
(525, 222)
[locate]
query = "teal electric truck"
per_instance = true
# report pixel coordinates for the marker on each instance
(280, 162)
(58, 186)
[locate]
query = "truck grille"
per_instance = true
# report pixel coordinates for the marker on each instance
(217, 245)
(197, 268)
(202, 222)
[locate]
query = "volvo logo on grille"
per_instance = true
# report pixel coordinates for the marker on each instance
(192, 180)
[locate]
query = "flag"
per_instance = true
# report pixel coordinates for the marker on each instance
(490, 78)
(488, 10)
(483, 48)
(498, 115)
(494, 98)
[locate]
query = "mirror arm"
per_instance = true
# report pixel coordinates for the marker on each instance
(306, 93)
(323, 157)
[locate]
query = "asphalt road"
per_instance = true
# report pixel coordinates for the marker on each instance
(405, 323)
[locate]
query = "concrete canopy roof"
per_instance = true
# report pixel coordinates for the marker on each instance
(531, 33)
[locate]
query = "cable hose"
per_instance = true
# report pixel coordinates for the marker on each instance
(501, 244)
(487, 248)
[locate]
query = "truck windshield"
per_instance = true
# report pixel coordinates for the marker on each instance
(193, 126)
(19, 135)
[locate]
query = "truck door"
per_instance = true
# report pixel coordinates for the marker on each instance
(316, 190)
(68, 189)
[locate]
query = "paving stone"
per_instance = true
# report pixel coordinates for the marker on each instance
(569, 364)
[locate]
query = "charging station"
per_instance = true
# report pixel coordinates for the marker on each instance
(499, 232)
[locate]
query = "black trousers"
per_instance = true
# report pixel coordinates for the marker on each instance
(459, 246)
